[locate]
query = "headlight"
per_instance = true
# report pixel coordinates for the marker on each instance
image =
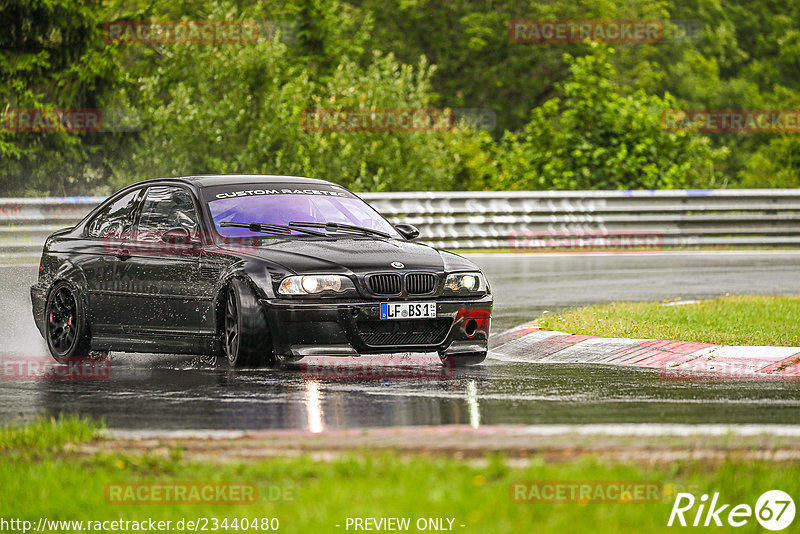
(315, 284)
(465, 283)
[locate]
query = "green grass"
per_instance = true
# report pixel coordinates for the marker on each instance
(729, 320)
(45, 434)
(62, 486)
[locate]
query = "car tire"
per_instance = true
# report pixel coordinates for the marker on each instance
(246, 338)
(463, 360)
(66, 329)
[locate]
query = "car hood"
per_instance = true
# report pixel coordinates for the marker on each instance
(356, 255)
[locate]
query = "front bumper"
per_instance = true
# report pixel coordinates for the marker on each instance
(351, 328)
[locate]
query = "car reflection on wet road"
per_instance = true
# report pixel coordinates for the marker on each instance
(179, 392)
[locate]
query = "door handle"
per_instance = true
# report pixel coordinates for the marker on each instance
(123, 254)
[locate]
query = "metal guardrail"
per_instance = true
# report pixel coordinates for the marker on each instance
(522, 220)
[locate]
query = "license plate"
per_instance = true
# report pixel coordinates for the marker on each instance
(408, 310)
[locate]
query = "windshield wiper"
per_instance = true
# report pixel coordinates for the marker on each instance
(274, 228)
(331, 226)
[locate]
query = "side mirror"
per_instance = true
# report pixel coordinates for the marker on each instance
(409, 231)
(176, 235)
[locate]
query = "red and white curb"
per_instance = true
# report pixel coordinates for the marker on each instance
(675, 359)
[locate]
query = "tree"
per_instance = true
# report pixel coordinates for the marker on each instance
(243, 112)
(775, 164)
(54, 57)
(594, 136)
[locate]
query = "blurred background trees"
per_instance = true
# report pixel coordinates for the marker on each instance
(565, 116)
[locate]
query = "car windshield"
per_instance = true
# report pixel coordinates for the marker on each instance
(281, 204)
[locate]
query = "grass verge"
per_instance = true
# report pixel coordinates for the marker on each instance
(305, 495)
(47, 434)
(728, 320)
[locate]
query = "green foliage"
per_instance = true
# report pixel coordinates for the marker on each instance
(590, 121)
(596, 137)
(54, 58)
(477, 64)
(243, 113)
(776, 164)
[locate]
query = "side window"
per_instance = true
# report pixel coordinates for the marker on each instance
(115, 219)
(165, 208)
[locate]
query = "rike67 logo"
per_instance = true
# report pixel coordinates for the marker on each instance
(774, 510)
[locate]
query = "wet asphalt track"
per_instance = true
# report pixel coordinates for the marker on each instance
(177, 392)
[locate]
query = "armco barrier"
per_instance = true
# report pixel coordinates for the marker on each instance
(523, 220)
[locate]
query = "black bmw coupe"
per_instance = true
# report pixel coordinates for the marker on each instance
(258, 268)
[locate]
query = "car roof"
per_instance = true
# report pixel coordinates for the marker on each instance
(209, 180)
